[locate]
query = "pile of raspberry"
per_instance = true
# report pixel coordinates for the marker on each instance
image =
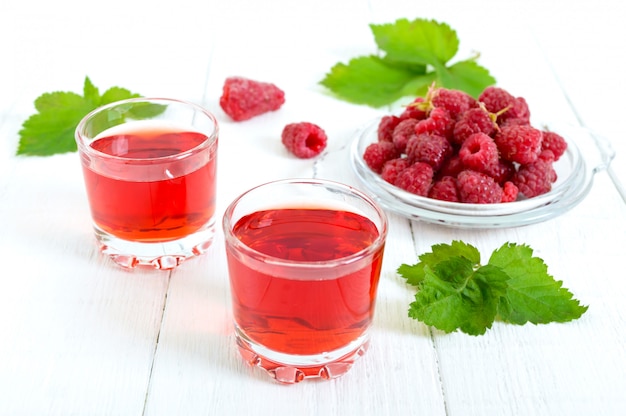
(453, 147)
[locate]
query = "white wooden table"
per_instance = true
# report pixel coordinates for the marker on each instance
(80, 336)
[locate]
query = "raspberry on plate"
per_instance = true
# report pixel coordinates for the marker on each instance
(244, 98)
(392, 168)
(474, 120)
(386, 127)
(444, 190)
(438, 122)
(499, 101)
(520, 144)
(534, 178)
(554, 142)
(479, 152)
(403, 132)
(305, 140)
(429, 148)
(416, 179)
(378, 153)
(478, 188)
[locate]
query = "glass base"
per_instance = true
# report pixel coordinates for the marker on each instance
(161, 256)
(290, 369)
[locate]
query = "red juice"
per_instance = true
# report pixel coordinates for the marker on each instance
(157, 198)
(298, 310)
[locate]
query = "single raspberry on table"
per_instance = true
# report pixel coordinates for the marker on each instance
(305, 140)
(479, 152)
(520, 144)
(444, 190)
(438, 122)
(478, 188)
(535, 178)
(392, 168)
(402, 133)
(428, 148)
(554, 142)
(378, 153)
(474, 120)
(509, 192)
(499, 101)
(386, 126)
(244, 98)
(416, 179)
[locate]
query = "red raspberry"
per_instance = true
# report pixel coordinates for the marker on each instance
(403, 132)
(501, 102)
(554, 142)
(520, 144)
(474, 120)
(479, 152)
(501, 171)
(534, 178)
(456, 102)
(438, 122)
(392, 168)
(444, 189)
(451, 167)
(415, 110)
(386, 126)
(509, 192)
(416, 179)
(376, 154)
(478, 188)
(304, 140)
(428, 148)
(243, 98)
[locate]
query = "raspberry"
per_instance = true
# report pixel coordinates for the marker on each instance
(403, 132)
(416, 110)
(451, 167)
(534, 178)
(509, 192)
(500, 101)
(386, 126)
(520, 144)
(392, 168)
(554, 142)
(243, 98)
(501, 171)
(438, 122)
(428, 148)
(416, 179)
(444, 189)
(478, 188)
(474, 120)
(479, 152)
(456, 102)
(305, 140)
(376, 154)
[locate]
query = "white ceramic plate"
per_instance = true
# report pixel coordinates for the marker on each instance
(586, 154)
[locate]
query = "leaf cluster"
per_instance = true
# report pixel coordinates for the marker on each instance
(51, 129)
(413, 55)
(456, 292)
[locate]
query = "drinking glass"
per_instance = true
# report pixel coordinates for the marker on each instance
(304, 260)
(149, 166)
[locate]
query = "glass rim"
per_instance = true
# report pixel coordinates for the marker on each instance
(83, 145)
(227, 226)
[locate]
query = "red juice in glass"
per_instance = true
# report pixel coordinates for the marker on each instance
(149, 166)
(304, 278)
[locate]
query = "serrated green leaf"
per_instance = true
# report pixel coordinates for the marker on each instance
(91, 93)
(467, 76)
(455, 296)
(368, 80)
(116, 94)
(419, 41)
(533, 294)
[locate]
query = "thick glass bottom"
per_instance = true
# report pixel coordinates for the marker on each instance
(158, 255)
(290, 369)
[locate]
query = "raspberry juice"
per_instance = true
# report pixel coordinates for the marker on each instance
(143, 187)
(285, 297)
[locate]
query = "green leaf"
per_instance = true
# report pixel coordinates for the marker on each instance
(533, 294)
(467, 76)
(51, 130)
(455, 296)
(353, 82)
(420, 41)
